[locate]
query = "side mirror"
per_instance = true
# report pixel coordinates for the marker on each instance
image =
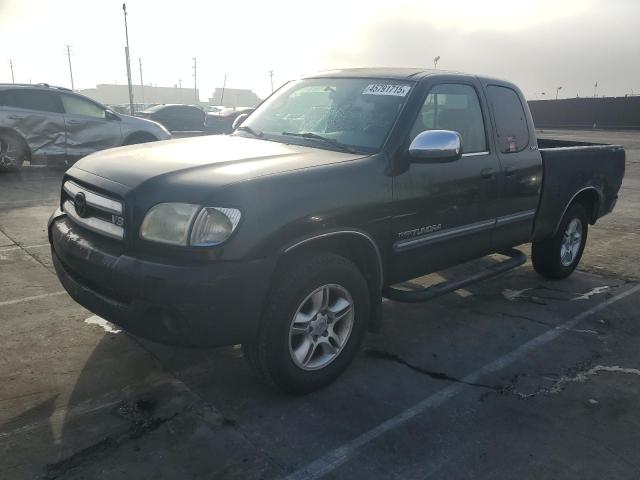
(239, 119)
(436, 145)
(109, 115)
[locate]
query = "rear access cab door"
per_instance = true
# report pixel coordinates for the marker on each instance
(444, 212)
(520, 179)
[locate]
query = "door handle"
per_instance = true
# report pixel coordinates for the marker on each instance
(74, 122)
(16, 117)
(510, 171)
(487, 172)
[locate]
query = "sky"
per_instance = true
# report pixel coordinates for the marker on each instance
(538, 44)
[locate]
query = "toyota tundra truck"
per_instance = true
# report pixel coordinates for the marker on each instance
(285, 235)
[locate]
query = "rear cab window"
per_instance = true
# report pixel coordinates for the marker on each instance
(511, 121)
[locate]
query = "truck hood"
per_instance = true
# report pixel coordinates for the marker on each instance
(214, 159)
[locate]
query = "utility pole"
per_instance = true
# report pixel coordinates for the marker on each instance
(195, 80)
(224, 84)
(271, 77)
(595, 90)
(13, 80)
(435, 62)
(141, 82)
(70, 69)
(126, 53)
(179, 83)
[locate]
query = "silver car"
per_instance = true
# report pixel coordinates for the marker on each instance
(53, 125)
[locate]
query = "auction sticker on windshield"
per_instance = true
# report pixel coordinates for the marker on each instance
(386, 89)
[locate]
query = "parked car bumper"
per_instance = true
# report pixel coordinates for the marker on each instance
(198, 305)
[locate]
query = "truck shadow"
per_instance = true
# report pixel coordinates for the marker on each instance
(420, 347)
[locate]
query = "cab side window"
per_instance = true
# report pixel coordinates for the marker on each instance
(31, 99)
(457, 108)
(511, 122)
(79, 106)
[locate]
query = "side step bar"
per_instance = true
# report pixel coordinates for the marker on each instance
(516, 258)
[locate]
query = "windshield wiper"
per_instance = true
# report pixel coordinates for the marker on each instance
(342, 146)
(255, 133)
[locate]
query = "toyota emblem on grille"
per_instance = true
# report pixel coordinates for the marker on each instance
(80, 203)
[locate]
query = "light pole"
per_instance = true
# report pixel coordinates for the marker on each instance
(435, 62)
(13, 80)
(141, 82)
(126, 54)
(543, 93)
(558, 91)
(224, 84)
(271, 77)
(70, 69)
(595, 90)
(195, 80)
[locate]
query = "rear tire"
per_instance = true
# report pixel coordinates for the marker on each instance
(557, 257)
(313, 324)
(12, 152)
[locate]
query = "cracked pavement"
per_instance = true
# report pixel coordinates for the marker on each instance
(79, 401)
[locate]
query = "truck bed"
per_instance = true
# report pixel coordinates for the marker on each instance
(571, 167)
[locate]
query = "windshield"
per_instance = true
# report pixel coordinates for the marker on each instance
(356, 113)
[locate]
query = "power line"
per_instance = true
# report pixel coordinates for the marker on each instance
(70, 69)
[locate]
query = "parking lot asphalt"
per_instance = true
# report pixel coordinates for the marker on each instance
(515, 377)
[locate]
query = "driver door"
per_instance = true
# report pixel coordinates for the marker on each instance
(444, 211)
(88, 127)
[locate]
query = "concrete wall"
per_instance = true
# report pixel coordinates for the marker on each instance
(234, 97)
(606, 112)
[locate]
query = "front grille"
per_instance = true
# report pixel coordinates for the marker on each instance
(93, 211)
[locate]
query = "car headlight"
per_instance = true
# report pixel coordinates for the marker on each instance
(171, 223)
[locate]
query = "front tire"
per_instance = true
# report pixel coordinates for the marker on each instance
(313, 324)
(557, 257)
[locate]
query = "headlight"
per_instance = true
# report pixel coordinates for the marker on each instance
(171, 223)
(168, 223)
(214, 225)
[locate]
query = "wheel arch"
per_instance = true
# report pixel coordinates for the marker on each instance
(355, 245)
(20, 137)
(131, 138)
(589, 197)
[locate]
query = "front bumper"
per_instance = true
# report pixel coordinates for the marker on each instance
(197, 305)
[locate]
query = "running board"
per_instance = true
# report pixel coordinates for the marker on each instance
(516, 258)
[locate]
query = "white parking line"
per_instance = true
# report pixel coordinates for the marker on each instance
(342, 454)
(29, 299)
(21, 247)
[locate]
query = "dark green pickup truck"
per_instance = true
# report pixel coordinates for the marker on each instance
(285, 235)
